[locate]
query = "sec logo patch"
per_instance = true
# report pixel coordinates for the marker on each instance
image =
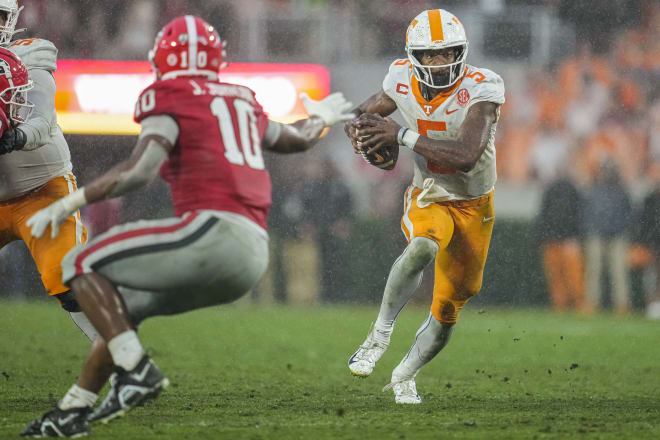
(463, 97)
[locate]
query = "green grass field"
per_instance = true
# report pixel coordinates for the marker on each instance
(244, 372)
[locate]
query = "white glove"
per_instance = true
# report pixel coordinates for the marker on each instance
(333, 109)
(55, 214)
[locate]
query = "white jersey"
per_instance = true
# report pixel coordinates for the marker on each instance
(46, 153)
(441, 118)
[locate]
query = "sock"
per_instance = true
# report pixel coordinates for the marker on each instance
(404, 279)
(77, 397)
(126, 350)
(84, 324)
(431, 337)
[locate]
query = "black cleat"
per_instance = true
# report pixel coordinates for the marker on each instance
(60, 423)
(129, 389)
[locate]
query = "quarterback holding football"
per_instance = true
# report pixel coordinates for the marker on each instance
(451, 111)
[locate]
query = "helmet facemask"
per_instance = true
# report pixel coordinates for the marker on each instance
(445, 75)
(14, 96)
(8, 30)
(20, 108)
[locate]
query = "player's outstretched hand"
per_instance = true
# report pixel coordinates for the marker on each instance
(53, 215)
(332, 109)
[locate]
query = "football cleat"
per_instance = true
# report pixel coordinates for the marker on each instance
(405, 391)
(60, 423)
(129, 389)
(364, 360)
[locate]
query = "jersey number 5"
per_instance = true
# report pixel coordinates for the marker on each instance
(424, 126)
(248, 132)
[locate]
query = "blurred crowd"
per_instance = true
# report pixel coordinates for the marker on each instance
(588, 129)
(590, 110)
(121, 29)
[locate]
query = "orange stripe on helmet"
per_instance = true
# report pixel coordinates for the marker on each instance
(435, 22)
(410, 28)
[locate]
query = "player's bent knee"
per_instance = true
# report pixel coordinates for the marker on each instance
(420, 252)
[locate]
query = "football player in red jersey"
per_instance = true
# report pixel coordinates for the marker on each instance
(206, 138)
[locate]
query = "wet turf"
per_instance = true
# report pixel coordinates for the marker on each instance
(272, 372)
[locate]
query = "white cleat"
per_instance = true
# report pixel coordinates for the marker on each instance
(405, 391)
(364, 360)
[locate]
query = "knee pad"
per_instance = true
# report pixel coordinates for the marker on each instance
(420, 252)
(68, 302)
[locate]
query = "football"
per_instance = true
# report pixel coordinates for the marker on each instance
(386, 157)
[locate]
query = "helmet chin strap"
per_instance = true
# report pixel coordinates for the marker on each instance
(427, 90)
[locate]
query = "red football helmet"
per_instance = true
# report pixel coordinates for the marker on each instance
(187, 46)
(14, 85)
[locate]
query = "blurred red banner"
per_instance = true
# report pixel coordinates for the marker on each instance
(97, 97)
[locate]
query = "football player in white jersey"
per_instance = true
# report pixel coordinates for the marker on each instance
(450, 110)
(35, 167)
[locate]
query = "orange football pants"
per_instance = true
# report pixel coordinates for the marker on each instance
(46, 252)
(462, 229)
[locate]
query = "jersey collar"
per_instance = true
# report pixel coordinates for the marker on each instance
(430, 106)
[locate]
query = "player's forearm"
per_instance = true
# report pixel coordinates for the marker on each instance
(463, 153)
(104, 187)
(299, 136)
(151, 151)
(138, 171)
(454, 155)
(99, 189)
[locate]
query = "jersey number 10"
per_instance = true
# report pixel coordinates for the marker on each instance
(248, 132)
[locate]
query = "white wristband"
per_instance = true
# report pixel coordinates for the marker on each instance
(410, 139)
(75, 200)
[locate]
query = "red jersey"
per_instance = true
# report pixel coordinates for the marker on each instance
(217, 162)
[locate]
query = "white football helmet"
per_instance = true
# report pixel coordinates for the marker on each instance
(431, 30)
(7, 31)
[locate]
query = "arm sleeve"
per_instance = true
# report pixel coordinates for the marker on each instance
(38, 127)
(163, 125)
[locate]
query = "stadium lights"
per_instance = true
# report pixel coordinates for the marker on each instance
(97, 97)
